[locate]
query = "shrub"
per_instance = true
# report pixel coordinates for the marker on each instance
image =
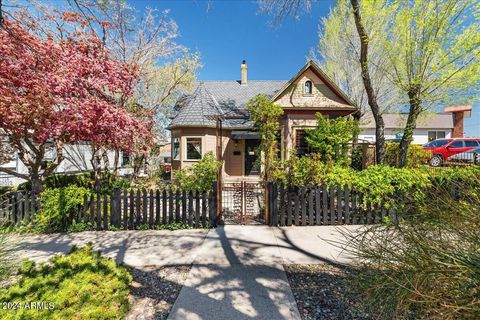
(57, 207)
(426, 267)
(331, 137)
(416, 156)
(378, 184)
(200, 176)
(81, 285)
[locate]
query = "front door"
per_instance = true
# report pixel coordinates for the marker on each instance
(252, 157)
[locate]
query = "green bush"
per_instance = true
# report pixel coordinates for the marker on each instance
(425, 267)
(57, 207)
(416, 156)
(109, 181)
(331, 137)
(379, 184)
(81, 285)
(200, 176)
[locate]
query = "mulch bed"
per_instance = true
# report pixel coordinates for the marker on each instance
(154, 290)
(320, 291)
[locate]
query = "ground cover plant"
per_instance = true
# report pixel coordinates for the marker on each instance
(80, 285)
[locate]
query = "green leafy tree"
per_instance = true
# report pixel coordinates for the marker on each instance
(331, 137)
(434, 55)
(265, 113)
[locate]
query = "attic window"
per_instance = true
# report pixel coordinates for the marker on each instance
(308, 87)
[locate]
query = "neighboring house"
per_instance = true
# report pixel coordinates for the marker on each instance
(214, 118)
(76, 159)
(430, 126)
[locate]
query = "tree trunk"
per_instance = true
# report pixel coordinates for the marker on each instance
(415, 109)
(96, 166)
(116, 159)
(367, 82)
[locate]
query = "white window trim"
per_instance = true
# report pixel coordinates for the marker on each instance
(184, 148)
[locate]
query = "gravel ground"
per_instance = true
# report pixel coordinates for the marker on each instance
(321, 293)
(154, 291)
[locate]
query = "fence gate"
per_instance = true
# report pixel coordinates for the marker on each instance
(243, 202)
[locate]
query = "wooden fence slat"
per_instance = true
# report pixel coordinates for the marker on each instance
(197, 209)
(92, 209)
(332, 205)
(99, 212)
(354, 208)
(125, 209)
(190, 209)
(324, 205)
(184, 207)
(282, 205)
(204, 210)
(339, 215)
(157, 207)
(289, 206)
(138, 209)
(311, 220)
(164, 207)
(105, 212)
(150, 209)
(304, 206)
(211, 207)
(132, 211)
(170, 206)
(27, 208)
(346, 202)
(317, 206)
(144, 207)
(177, 206)
(297, 208)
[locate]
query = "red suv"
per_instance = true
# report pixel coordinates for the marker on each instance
(442, 149)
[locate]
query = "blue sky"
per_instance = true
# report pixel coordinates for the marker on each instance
(226, 32)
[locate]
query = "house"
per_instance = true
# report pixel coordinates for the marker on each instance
(430, 126)
(214, 118)
(76, 159)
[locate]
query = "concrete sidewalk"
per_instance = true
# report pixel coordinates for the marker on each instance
(238, 272)
(134, 248)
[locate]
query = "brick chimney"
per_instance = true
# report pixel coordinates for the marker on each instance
(459, 113)
(243, 79)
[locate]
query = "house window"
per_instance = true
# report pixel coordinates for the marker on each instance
(301, 145)
(434, 135)
(194, 148)
(308, 87)
(125, 159)
(176, 149)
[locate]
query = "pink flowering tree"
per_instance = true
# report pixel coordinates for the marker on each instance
(55, 91)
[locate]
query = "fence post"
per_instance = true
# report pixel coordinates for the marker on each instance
(115, 207)
(213, 205)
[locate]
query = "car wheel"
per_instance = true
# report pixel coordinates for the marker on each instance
(435, 161)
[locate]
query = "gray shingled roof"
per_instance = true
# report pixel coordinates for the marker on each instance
(198, 109)
(227, 99)
(230, 93)
(398, 120)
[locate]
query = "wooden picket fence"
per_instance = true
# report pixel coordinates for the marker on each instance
(321, 205)
(126, 210)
